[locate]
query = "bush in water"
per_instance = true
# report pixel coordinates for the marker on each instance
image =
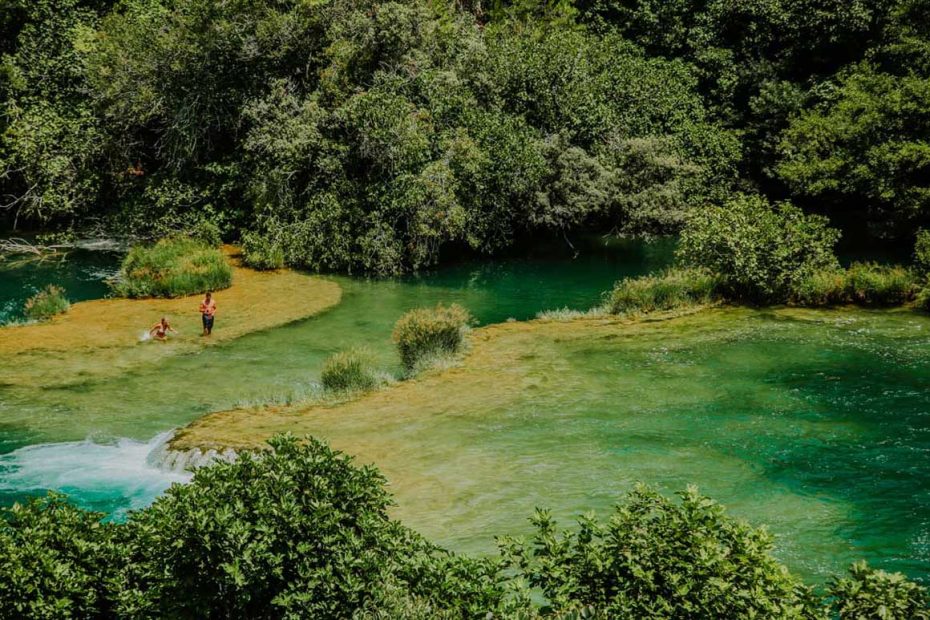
(676, 288)
(429, 331)
(173, 267)
(260, 253)
(761, 253)
(349, 371)
(46, 303)
(300, 531)
(870, 593)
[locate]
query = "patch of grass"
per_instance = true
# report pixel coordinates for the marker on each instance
(675, 288)
(47, 303)
(871, 284)
(349, 371)
(429, 331)
(864, 284)
(173, 267)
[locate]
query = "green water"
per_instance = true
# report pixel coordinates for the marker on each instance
(818, 427)
(81, 273)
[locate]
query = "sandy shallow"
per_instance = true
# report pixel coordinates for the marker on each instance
(106, 337)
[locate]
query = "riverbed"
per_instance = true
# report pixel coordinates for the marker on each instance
(815, 423)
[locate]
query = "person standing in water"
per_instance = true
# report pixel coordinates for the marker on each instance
(207, 312)
(160, 330)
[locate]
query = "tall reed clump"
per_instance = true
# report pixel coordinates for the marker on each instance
(428, 332)
(349, 371)
(46, 303)
(675, 288)
(173, 267)
(865, 284)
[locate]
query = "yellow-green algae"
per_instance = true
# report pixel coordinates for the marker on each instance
(570, 414)
(104, 337)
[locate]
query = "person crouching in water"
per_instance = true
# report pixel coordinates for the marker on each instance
(160, 330)
(207, 312)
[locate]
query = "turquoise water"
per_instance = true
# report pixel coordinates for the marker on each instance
(818, 426)
(81, 273)
(273, 365)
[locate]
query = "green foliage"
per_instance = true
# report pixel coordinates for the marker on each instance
(656, 558)
(349, 371)
(426, 331)
(866, 284)
(865, 142)
(297, 531)
(922, 252)
(46, 303)
(871, 593)
(760, 253)
(880, 285)
(258, 252)
(173, 267)
(675, 288)
(56, 561)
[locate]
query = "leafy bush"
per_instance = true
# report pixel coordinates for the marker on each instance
(760, 253)
(298, 531)
(46, 303)
(822, 287)
(429, 331)
(676, 288)
(206, 232)
(660, 559)
(922, 252)
(260, 253)
(56, 561)
(870, 593)
(349, 371)
(173, 267)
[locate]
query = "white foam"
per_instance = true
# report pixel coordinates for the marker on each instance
(121, 475)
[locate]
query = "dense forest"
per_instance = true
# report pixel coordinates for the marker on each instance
(361, 135)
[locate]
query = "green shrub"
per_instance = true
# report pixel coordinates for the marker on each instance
(56, 561)
(870, 593)
(823, 287)
(922, 252)
(299, 531)
(430, 331)
(676, 288)
(46, 303)
(349, 371)
(173, 267)
(259, 252)
(760, 253)
(661, 559)
(206, 232)
(880, 285)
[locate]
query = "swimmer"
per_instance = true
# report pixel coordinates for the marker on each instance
(160, 330)
(207, 312)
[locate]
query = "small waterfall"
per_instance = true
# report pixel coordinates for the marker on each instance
(112, 477)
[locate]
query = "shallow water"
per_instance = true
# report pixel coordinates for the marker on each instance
(81, 273)
(817, 424)
(280, 363)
